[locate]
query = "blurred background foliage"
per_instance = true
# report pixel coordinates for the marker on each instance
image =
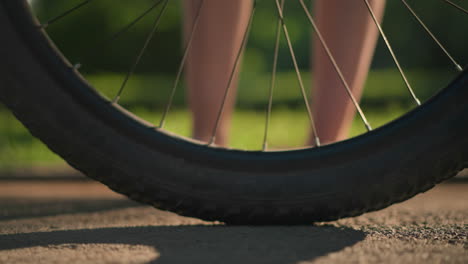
(82, 34)
(84, 37)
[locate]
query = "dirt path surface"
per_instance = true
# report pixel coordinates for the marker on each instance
(83, 222)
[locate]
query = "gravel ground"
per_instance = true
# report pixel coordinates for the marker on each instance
(84, 222)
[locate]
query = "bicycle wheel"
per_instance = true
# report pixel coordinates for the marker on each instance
(107, 143)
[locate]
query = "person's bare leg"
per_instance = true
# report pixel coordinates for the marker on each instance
(212, 57)
(351, 36)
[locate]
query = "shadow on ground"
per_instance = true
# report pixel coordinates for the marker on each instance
(204, 244)
(168, 244)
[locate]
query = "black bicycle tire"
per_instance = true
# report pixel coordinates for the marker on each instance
(370, 172)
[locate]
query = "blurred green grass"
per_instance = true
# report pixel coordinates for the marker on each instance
(383, 87)
(385, 99)
(288, 129)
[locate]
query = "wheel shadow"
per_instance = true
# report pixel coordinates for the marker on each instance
(205, 244)
(177, 244)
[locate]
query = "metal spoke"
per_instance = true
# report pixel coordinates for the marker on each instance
(335, 65)
(457, 66)
(182, 64)
(272, 82)
(456, 6)
(115, 35)
(233, 73)
(298, 73)
(390, 49)
(64, 14)
(142, 51)
(134, 22)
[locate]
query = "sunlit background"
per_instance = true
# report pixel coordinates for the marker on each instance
(82, 37)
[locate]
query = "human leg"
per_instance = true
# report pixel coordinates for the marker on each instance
(351, 35)
(215, 45)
